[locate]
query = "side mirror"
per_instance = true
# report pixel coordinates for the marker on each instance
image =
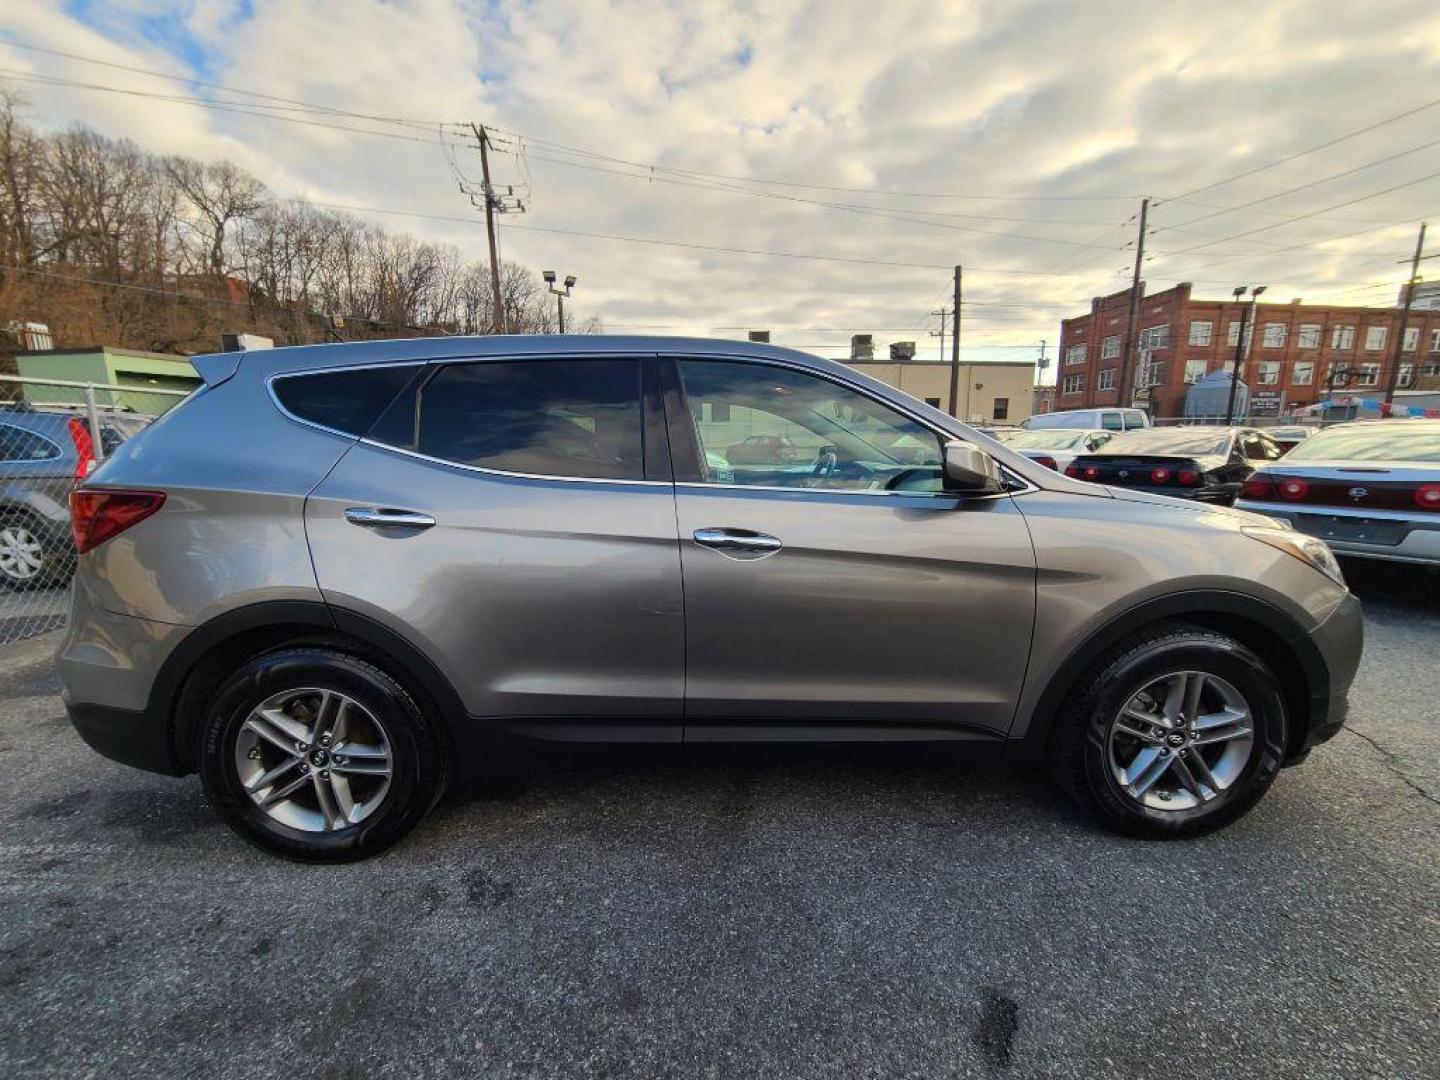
(971, 470)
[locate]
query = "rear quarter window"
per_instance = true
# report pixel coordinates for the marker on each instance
(345, 401)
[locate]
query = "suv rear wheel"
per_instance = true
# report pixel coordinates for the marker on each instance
(318, 755)
(1176, 732)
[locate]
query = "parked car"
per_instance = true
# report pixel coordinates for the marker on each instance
(762, 450)
(1188, 461)
(1056, 448)
(1289, 436)
(1004, 433)
(1091, 419)
(339, 575)
(1369, 489)
(43, 453)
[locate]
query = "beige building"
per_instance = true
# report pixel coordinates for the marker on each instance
(997, 392)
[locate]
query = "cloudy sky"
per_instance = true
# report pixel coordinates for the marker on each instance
(884, 141)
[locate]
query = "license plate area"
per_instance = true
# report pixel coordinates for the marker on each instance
(1354, 530)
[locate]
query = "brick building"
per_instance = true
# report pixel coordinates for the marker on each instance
(1289, 354)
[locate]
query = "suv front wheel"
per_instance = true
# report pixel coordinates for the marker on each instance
(319, 755)
(1176, 732)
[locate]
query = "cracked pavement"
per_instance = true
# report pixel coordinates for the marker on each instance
(816, 915)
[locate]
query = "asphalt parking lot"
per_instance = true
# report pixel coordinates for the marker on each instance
(816, 916)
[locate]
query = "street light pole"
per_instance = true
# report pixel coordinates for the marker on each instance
(1247, 317)
(560, 294)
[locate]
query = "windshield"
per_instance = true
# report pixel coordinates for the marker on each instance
(1390, 441)
(1161, 441)
(1044, 440)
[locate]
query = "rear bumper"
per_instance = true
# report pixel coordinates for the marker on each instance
(130, 737)
(1420, 543)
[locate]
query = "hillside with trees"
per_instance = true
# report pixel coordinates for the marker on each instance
(108, 244)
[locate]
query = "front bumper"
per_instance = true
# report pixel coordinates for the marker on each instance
(1340, 640)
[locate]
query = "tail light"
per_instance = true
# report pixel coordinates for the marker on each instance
(97, 515)
(1073, 470)
(1042, 459)
(1159, 476)
(1427, 496)
(1092, 472)
(1188, 478)
(1257, 487)
(85, 461)
(1294, 489)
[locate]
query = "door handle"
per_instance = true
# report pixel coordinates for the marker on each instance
(738, 543)
(374, 517)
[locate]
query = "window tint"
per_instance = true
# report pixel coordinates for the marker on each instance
(788, 429)
(545, 417)
(348, 401)
(1111, 421)
(17, 444)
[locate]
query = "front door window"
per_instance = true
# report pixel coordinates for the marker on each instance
(765, 426)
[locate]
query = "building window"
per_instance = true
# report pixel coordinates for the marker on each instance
(1154, 374)
(1194, 370)
(1374, 338)
(1106, 380)
(1274, 336)
(1111, 348)
(1435, 340)
(1303, 374)
(1232, 334)
(1073, 384)
(1342, 337)
(1002, 409)
(1367, 375)
(1154, 337)
(935, 401)
(1268, 373)
(1309, 336)
(1412, 339)
(1407, 375)
(1431, 369)
(1200, 333)
(1075, 354)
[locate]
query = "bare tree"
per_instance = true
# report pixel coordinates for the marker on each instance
(219, 193)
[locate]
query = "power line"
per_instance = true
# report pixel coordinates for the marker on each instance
(237, 108)
(1310, 184)
(186, 80)
(1302, 217)
(1311, 150)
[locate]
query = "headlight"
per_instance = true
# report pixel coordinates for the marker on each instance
(1307, 549)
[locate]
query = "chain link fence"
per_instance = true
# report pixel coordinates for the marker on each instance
(53, 434)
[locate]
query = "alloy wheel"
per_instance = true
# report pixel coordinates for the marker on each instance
(22, 556)
(313, 759)
(1181, 741)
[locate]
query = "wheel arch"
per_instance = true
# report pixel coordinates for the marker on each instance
(1255, 623)
(197, 666)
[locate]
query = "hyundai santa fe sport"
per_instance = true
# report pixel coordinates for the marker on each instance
(339, 575)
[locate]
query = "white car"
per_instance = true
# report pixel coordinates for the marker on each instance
(1057, 447)
(1370, 489)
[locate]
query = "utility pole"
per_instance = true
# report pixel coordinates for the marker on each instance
(944, 314)
(955, 348)
(484, 137)
(1394, 378)
(1125, 387)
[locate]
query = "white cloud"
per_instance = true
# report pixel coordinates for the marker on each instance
(1014, 99)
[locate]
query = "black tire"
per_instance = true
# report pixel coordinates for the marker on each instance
(57, 552)
(420, 767)
(1079, 757)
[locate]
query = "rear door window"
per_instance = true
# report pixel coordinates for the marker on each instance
(563, 418)
(1111, 421)
(344, 401)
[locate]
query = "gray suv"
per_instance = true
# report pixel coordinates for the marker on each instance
(339, 575)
